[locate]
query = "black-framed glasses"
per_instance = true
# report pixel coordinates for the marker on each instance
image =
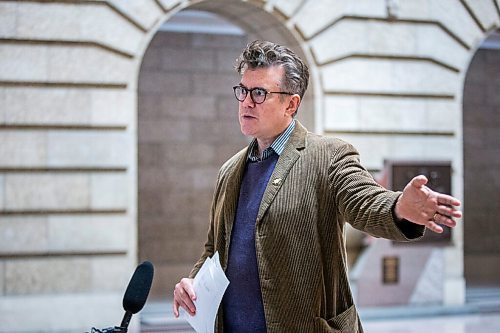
(258, 95)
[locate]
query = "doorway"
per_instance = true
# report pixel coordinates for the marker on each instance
(188, 127)
(481, 132)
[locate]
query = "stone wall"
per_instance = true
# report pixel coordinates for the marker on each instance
(67, 162)
(188, 127)
(385, 74)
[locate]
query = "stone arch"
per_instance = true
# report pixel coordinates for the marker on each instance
(481, 125)
(174, 192)
(260, 20)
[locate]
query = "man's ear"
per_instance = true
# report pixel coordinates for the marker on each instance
(293, 105)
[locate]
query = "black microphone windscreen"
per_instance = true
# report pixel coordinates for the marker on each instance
(138, 288)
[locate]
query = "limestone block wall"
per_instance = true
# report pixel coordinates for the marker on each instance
(386, 76)
(67, 162)
(187, 128)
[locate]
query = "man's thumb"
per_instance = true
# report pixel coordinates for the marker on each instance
(419, 181)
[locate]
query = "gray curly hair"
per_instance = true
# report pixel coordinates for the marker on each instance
(263, 54)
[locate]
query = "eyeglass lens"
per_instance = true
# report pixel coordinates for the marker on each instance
(258, 95)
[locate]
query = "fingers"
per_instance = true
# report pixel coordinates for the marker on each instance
(184, 296)
(445, 212)
(431, 225)
(176, 309)
(448, 200)
(444, 219)
(448, 211)
(443, 216)
(185, 302)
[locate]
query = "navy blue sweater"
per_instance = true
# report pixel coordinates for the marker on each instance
(242, 302)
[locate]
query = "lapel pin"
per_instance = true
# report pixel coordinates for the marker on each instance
(277, 181)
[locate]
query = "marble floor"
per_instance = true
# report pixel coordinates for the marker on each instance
(481, 314)
(484, 323)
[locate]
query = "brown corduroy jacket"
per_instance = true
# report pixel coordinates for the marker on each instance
(317, 184)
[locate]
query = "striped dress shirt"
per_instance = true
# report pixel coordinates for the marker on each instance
(277, 146)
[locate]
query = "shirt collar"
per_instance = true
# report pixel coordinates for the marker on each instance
(277, 146)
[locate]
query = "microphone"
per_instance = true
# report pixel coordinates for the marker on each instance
(137, 292)
(135, 297)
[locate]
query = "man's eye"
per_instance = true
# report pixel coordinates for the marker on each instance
(259, 92)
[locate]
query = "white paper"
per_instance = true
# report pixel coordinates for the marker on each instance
(209, 286)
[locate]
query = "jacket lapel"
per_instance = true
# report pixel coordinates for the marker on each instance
(231, 196)
(287, 159)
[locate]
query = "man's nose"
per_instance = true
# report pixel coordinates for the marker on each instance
(248, 102)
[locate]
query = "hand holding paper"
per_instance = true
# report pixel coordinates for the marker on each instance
(209, 286)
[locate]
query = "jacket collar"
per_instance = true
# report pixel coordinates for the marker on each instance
(285, 163)
(296, 142)
(287, 159)
(298, 136)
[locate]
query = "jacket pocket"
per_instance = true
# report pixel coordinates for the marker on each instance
(345, 322)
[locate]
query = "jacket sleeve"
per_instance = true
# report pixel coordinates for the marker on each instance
(362, 202)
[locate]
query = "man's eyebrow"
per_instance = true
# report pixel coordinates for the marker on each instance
(247, 88)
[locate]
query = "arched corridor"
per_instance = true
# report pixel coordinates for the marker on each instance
(481, 128)
(187, 128)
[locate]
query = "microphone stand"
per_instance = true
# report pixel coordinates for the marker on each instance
(125, 322)
(134, 298)
(123, 328)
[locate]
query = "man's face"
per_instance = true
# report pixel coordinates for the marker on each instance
(267, 120)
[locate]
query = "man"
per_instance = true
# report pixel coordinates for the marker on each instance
(279, 207)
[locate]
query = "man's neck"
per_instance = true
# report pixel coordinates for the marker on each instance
(263, 144)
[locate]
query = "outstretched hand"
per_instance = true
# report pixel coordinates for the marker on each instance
(421, 205)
